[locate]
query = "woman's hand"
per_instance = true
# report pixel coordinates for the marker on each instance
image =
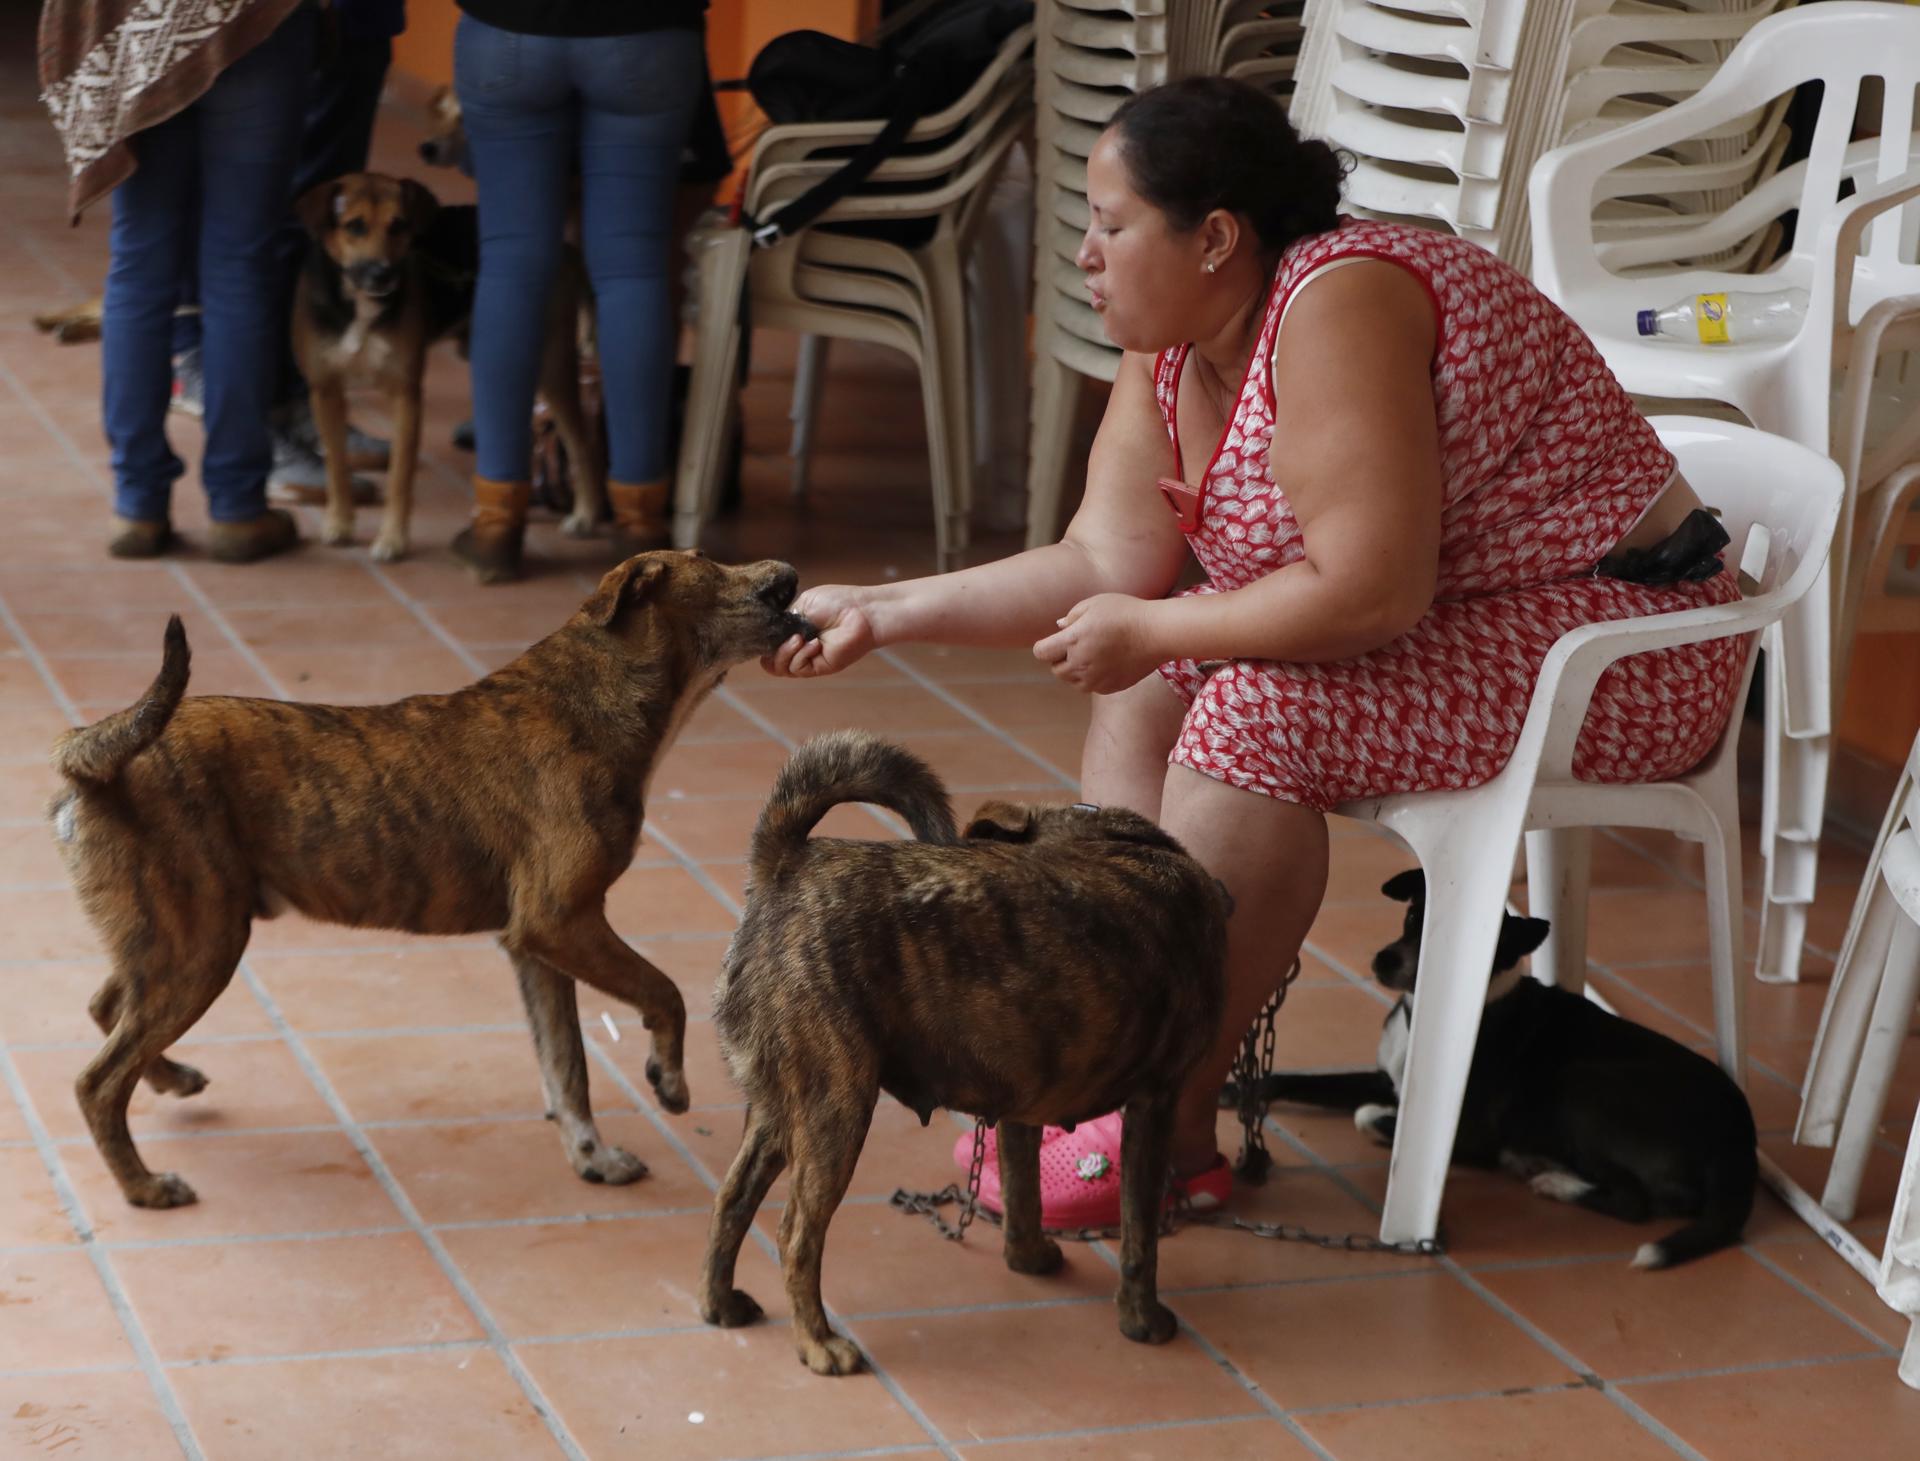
(1103, 644)
(845, 633)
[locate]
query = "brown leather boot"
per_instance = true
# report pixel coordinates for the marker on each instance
(137, 538)
(639, 516)
(490, 544)
(274, 531)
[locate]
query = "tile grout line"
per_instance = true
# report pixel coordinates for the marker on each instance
(612, 1070)
(953, 702)
(496, 1340)
(145, 1357)
(1821, 1300)
(768, 728)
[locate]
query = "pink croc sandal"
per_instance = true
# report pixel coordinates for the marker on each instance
(1080, 1175)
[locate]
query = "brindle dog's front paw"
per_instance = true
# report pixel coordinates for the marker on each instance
(737, 1310)
(337, 532)
(831, 1356)
(171, 1078)
(1040, 1257)
(579, 524)
(390, 547)
(1149, 1323)
(161, 1189)
(598, 1162)
(670, 1086)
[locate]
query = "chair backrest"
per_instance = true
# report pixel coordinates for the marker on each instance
(1777, 500)
(1842, 44)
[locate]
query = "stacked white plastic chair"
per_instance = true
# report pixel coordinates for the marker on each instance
(1870, 1006)
(1090, 56)
(1857, 261)
(834, 283)
(1445, 104)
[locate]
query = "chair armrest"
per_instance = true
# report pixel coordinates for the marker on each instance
(1837, 252)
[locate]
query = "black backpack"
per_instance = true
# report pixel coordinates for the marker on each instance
(806, 76)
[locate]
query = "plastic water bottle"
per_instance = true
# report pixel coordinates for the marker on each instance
(1728, 319)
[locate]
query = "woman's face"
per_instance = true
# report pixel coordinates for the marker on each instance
(1146, 279)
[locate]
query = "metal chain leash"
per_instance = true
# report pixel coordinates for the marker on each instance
(1251, 1066)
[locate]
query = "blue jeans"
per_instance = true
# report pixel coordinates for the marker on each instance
(624, 105)
(213, 181)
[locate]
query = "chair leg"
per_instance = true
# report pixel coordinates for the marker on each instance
(1886, 1035)
(1825, 1093)
(809, 362)
(723, 262)
(1466, 891)
(1559, 870)
(947, 543)
(1725, 913)
(1789, 835)
(1056, 394)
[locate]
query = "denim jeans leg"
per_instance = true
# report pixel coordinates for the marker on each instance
(639, 94)
(151, 235)
(520, 112)
(249, 144)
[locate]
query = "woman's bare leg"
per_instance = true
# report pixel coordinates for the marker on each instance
(1125, 761)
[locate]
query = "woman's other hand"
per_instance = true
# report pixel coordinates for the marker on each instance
(1103, 644)
(844, 634)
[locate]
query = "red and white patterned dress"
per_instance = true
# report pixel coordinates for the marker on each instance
(1546, 466)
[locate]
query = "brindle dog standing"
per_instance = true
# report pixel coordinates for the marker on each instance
(511, 805)
(389, 273)
(1057, 964)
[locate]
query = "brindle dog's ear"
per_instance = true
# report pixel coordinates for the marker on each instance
(420, 204)
(1001, 822)
(1405, 887)
(627, 584)
(315, 208)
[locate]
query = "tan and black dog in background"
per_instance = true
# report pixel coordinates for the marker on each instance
(1056, 964)
(509, 806)
(389, 272)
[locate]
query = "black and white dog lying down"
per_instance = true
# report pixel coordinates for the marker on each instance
(1590, 1108)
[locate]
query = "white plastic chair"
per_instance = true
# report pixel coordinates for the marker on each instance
(1863, 1029)
(1870, 1003)
(1784, 386)
(1779, 502)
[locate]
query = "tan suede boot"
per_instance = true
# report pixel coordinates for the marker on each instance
(639, 516)
(274, 531)
(490, 545)
(137, 538)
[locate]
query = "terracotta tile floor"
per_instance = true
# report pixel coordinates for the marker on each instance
(390, 1257)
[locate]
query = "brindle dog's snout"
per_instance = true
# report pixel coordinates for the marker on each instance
(779, 591)
(375, 276)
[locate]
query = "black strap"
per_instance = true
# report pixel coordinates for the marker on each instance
(801, 211)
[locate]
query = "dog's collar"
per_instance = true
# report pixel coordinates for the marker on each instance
(1085, 807)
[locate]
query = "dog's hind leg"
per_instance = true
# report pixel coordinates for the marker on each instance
(825, 1148)
(756, 1166)
(587, 948)
(169, 1077)
(554, 1013)
(1146, 1140)
(402, 461)
(1610, 1190)
(153, 1009)
(1027, 1249)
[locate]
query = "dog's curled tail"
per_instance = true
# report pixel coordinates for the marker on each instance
(1723, 1214)
(847, 766)
(97, 753)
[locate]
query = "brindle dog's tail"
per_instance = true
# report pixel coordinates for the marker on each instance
(847, 766)
(96, 754)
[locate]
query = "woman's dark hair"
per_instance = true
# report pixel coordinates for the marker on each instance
(1209, 142)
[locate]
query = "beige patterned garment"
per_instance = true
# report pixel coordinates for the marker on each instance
(111, 68)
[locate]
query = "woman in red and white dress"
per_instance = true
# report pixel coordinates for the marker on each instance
(1400, 467)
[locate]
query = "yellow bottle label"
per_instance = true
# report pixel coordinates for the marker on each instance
(1710, 318)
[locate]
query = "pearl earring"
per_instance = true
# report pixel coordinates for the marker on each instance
(1211, 267)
